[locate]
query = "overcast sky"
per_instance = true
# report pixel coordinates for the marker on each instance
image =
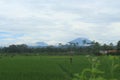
(55, 21)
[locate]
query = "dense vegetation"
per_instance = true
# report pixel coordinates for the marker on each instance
(59, 68)
(94, 48)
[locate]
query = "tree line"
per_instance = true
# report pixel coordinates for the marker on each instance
(93, 48)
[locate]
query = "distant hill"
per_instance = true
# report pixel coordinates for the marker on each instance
(42, 44)
(39, 44)
(81, 41)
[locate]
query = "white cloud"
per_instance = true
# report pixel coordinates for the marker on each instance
(56, 21)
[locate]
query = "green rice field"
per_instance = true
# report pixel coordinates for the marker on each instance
(53, 67)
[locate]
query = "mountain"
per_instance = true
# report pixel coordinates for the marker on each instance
(39, 44)
(81, 42)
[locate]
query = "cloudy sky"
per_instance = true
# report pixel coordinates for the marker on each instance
(54, 21)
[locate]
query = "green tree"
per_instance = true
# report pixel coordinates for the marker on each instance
(118, 46)
(105, 47)
(96, 47)
(111, 46)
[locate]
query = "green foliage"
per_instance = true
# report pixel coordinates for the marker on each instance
(113, 66)
(95, 71)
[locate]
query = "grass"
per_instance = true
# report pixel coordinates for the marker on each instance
(50, 67)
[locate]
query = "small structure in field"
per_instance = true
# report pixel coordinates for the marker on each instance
(103, 51)
(108, 51)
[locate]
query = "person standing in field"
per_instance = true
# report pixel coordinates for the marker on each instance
(70, 60)
(71, 57)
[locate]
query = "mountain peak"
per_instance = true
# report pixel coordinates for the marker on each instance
(41, 44)
(38, 44)
(81, 41)
(81, 38)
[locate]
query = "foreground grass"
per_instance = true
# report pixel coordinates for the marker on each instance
(50, 67)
